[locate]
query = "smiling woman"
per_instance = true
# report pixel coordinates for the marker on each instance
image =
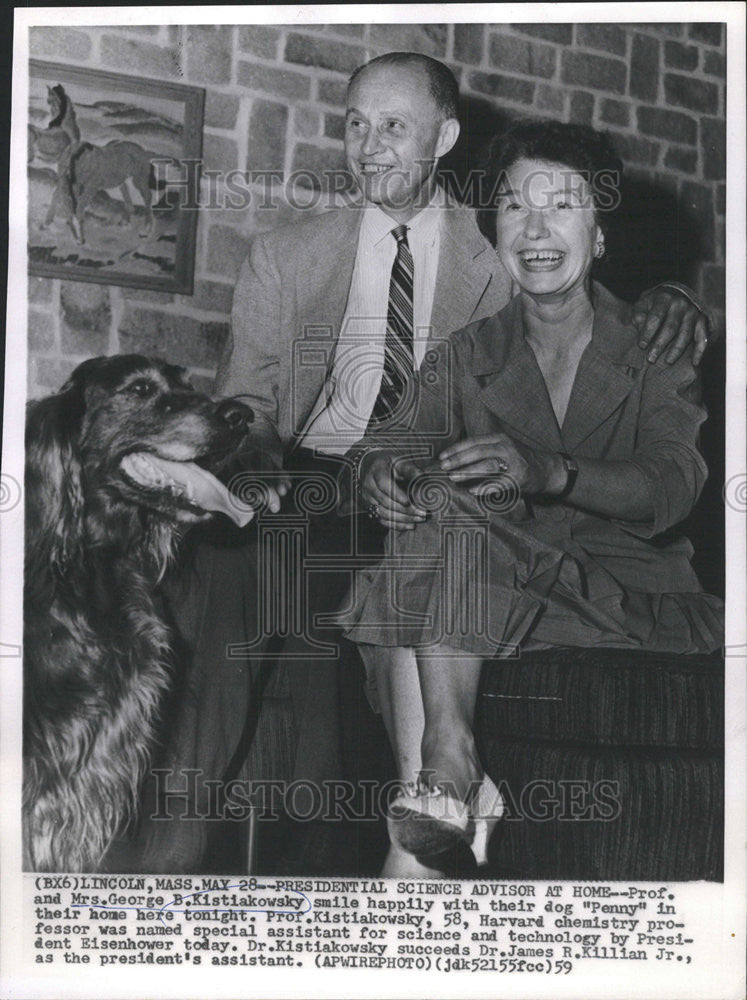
(553, 193)
(547, 230)
(568, 457)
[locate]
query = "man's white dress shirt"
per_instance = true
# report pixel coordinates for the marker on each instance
(341, 413)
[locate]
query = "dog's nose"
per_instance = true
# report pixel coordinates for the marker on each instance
(234, 413)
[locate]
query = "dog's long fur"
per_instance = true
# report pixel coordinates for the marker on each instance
(97, 651)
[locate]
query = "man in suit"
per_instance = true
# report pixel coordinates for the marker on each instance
(307, 347)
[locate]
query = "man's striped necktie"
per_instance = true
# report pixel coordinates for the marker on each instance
(398, 354)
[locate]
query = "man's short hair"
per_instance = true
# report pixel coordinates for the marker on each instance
(441, 81)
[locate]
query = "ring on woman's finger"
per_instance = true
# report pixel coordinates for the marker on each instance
(373, 511)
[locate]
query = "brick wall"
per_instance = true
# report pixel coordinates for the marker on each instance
(275, 101)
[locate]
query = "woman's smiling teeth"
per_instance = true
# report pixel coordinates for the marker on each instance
(541, 260)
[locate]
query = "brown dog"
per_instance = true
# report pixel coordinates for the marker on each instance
(117, 464)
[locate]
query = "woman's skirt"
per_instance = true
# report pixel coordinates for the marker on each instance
(487, 584)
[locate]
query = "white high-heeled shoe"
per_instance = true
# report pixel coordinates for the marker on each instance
(486, 811)
(426, 821)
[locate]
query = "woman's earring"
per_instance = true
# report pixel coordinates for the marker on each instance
(599, 249)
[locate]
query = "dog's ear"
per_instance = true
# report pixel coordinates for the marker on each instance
(54, 495)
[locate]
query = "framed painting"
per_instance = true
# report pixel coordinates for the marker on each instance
(113, 175)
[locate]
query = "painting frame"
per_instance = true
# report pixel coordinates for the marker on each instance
(169, 270)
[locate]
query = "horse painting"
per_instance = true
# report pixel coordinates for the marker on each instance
(88, 169)
(112, 165)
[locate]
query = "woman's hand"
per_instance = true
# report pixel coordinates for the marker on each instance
(382, 478)
(499, 455)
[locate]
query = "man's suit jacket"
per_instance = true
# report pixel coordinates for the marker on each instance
(290, 301)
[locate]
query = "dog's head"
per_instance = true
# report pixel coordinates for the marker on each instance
(122, 435)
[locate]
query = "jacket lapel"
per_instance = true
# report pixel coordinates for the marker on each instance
(606, 373)
(512, 384)
(323, 282)
(471, 283)
(324, 277)
(514, 390)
